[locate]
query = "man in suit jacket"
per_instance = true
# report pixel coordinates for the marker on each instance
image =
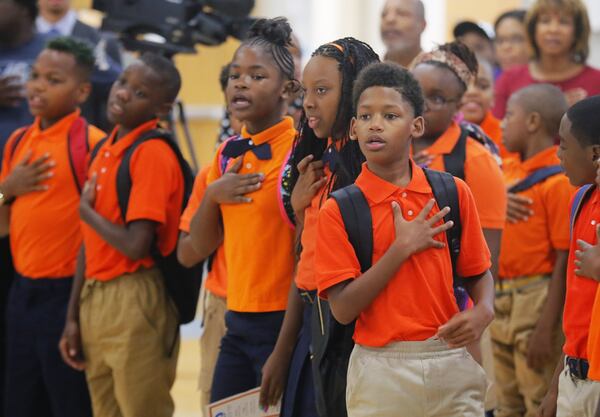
(57, 18)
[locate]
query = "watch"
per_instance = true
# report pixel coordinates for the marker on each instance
(4, 200)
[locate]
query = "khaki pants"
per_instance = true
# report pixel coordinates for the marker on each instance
(130, 341)
(210, 342)
(576, 397)
(414, 379)
(487, 361)
(520, 389)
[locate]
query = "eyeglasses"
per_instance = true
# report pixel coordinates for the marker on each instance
(436, 102)
(511, 40)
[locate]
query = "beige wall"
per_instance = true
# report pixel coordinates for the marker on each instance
(477, 10)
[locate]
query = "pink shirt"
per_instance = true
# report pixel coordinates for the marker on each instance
(516, 78)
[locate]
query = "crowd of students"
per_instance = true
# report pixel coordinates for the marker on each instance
(398, 251)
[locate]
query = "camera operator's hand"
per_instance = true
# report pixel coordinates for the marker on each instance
(12, 92)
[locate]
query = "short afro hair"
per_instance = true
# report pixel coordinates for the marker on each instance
(388, 74)
(80, 49)
(585, 123)
(167, 71)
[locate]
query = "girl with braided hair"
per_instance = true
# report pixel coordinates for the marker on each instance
(323, 159)
(241, 208)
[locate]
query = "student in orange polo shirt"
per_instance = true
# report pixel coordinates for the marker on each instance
(526, 333)
(40, 198)
(444, 75)
(409, 335)
(122, 327)
(572, 391)
(214, 302)
(242, 207)
(477, 102)
(324, 159)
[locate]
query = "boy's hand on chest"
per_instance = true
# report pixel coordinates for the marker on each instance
(418, 234)
(28, 175)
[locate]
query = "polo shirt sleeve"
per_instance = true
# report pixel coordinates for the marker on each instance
(195, 200)
(335, 259)
(155, 177)
(474, 258)
(484, 177)
(215, 166)
(556, 199)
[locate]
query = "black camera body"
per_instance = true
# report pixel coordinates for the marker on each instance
(174, 26)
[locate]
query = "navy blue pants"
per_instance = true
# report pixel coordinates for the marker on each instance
(7, 274)
(299, 395)
(38, 382)
(247, 344)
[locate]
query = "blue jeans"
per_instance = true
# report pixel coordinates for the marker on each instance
(38, 382)
(248, 342)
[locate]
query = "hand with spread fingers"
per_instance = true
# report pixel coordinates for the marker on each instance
(419, 234)
(518, 208)
(28, 176)
(233, 187)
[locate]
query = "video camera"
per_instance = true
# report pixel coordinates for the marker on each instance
(175, 26)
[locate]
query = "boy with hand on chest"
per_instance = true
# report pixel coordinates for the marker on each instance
(43, 170)
(122, 327)
(407, 319)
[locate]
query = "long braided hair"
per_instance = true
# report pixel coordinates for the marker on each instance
(352, 56)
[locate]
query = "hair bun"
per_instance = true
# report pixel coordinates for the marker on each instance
(276, 31)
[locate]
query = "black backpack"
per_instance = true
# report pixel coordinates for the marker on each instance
(454, 162)
(332, 342)
(182, 284)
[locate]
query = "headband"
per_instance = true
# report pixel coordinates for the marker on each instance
(449, 59)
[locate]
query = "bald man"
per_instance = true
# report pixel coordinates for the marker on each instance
(402, 24)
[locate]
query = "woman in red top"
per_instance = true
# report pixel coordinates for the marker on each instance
(558, 31)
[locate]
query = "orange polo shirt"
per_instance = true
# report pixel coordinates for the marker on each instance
(419, 298)
(529, 247)
(305, 270)
(156, 195)
(44, 233)
(259, 243)
(216, 280)
(581, 292)
(491, 126)
(482, 175)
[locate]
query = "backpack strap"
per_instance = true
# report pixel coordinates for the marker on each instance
(454, 162)
(579, 199)
(536, 177)
(358, 223)
(445, 193)
(97, 148)
(124, 183)
(79, 148)
(14, 144)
